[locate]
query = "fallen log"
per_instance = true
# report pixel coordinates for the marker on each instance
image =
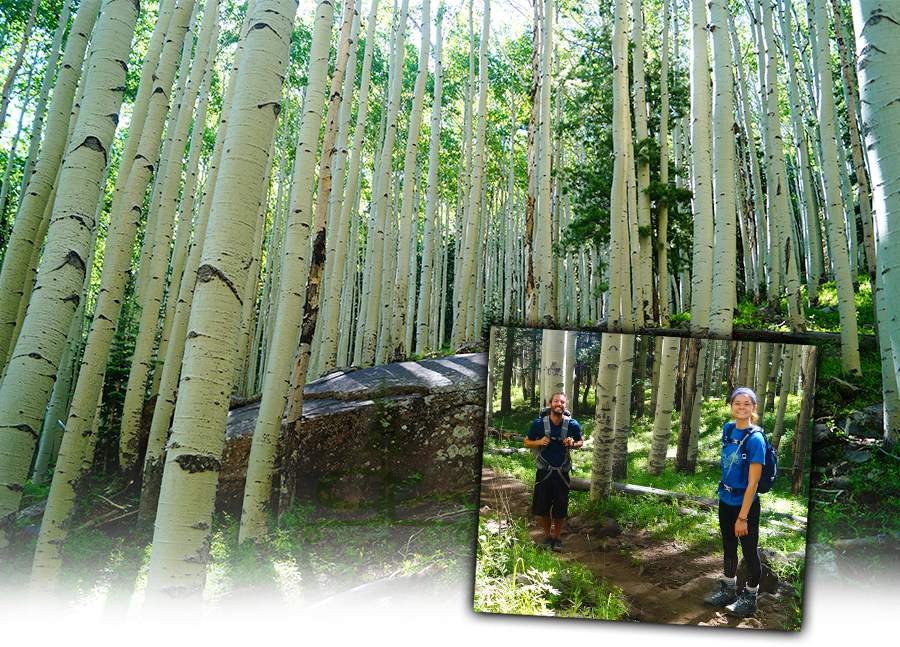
(751, 334)
(378, 589)
(584, 485)
(888, 540)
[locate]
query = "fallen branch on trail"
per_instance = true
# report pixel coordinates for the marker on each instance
(505, 451)
(584, 485)
(888, 540)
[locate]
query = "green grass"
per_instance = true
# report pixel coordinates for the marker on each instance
(515, 577)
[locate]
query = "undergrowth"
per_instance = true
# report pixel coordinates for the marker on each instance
(513, 576)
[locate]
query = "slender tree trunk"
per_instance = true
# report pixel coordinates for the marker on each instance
(195, 448)
(876, 25)
(725, 252)
(604, 418)
(662, 420)
(24, 239)
(277, 385)
(26, 389)
(701, 170)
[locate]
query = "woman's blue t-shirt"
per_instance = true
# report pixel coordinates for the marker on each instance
(735, 469)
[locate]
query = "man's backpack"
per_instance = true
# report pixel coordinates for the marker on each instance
(770, 466)
(539, 462)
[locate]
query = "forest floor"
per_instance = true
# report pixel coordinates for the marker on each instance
(663, 582)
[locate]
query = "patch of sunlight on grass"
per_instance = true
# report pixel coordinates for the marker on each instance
(289, 581)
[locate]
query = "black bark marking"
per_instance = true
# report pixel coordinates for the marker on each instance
(15, 487)
(73, 259)
(202, 556)
(200, 525)
(193, 463)
(276, 106)
(26, 427)
(94, 144)
(118, 88)
(74, 298)
(207, 273)
(264, 25)
(193, 334)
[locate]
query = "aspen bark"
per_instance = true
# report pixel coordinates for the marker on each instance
(276, 385)
(182, 534)
(875, 23)
(604, 418)
(662, 420)
(23, 239)
(35, 359)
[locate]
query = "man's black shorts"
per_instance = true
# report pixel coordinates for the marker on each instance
(551, 494)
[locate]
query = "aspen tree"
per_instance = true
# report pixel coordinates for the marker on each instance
(23, 238)
(168, 386)
(808, 205)
(185, 221)
(662, 419)
(466, 276)
(37, 126)
(846, 301)
(618, 193)
(182, 533)
(701, 172)
(643, 273)
(14, 144)
(142, 99)
(17, 62)
(339, 218)
(429, 237)
(788, 356)
(123, 227)
(35, 359)
(862, 176)
(530, 313)
(543, 245)
(276, 384)
(663, 218)
(179, 124)
(375, 242)
(152, 223)
(399, 321)
(623, 408)
(604, 418)
(724, 251)
(875, 23)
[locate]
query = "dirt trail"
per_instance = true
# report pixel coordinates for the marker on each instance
(663, 583)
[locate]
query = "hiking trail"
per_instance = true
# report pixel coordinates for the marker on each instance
(663, 582)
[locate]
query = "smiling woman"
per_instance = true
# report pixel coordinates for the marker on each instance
(743, 457)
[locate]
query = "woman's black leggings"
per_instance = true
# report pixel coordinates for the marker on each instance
(728, 515)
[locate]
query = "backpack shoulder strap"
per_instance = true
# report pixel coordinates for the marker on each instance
(564, 431)
(546, 426)
(726, 431)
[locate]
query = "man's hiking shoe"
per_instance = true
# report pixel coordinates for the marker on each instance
(724, 596)
(548, 542)
(557, 545)
(745, 605)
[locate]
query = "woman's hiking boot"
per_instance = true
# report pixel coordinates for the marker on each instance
(724, 596)
(745, 605)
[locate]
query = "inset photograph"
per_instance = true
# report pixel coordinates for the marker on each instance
(645, 478)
